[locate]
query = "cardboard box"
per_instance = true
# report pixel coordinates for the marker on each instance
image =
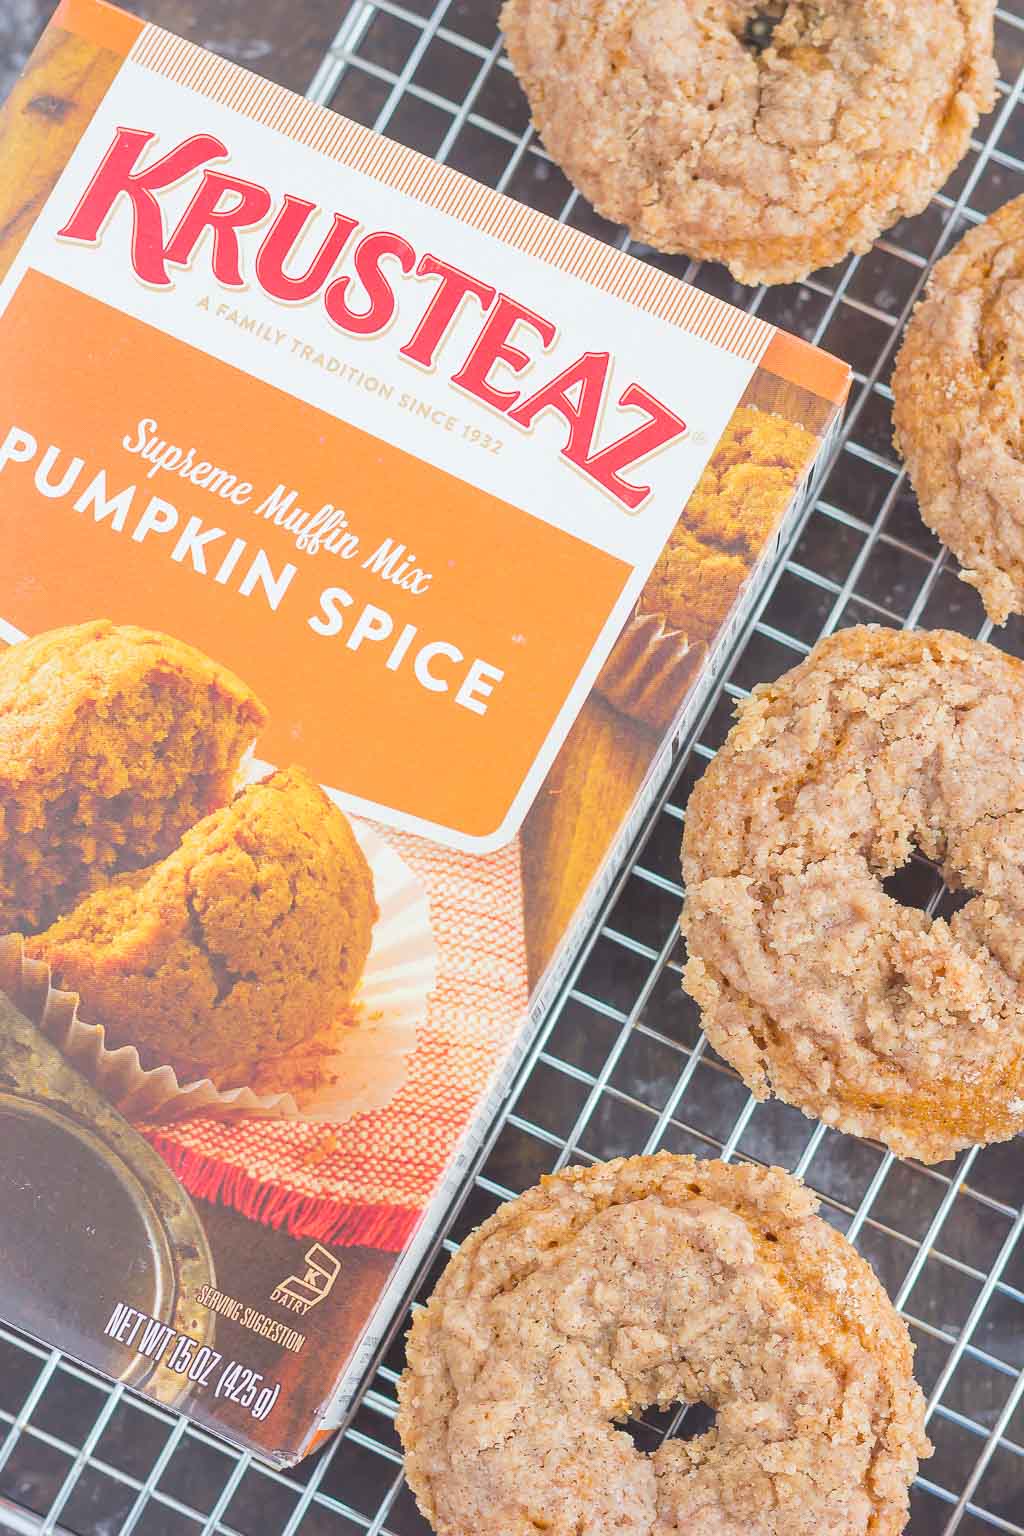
(450, 506)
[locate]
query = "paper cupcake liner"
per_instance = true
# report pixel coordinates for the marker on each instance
(650, 670)
(362, 1069)
(391, 1000)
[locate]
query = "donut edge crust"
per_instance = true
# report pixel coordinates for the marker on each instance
(936, 408)
(930, 1128)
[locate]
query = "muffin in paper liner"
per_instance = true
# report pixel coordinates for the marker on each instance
(650, 669)
(689, 598)
(357, 1063)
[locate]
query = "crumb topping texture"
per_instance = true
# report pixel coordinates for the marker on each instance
(649, 1281)
(959, 407)
(815, 982)
(776, 136)
(236, 947)
(113, 741)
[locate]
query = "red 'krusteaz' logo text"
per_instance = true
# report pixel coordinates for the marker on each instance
(364, 302)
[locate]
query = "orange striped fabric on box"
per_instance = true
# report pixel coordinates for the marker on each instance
(371, 1186)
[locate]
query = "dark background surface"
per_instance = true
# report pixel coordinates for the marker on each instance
(284, 41)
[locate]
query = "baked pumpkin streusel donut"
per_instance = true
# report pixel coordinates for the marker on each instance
(776, 136)
(113, 741)
(959, 407)
(654, 1280)
(813, 981)
(238, 946)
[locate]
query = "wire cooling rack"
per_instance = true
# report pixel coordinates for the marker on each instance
(622, 1066)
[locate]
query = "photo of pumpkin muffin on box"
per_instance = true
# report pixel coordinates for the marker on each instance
(739, 500)
(218, 929)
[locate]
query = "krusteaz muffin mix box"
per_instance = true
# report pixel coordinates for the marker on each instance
(366, 543)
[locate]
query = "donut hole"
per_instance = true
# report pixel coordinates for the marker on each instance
(917, 884)
(920, 885)
(952, 902)
(652, 1427)
(697, 1419)
(759, 30)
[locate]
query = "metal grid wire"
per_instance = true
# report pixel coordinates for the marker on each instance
(622, 1066)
